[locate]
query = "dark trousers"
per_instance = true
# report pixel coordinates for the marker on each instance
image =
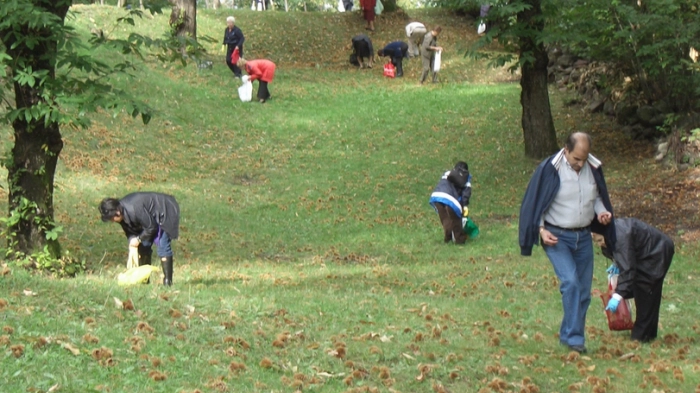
(647, 303)
(233, 67)
(451, 224)
(398, 62)
(263, 92)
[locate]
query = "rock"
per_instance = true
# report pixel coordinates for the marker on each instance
(596, 105)
(626, 114)
(662, 106)
(683, 167)
(609, 108)
(657, 120)
(659, 157)
(565, 60)
(575, 75)
(662, 148)
(646, 113)
(580, 63)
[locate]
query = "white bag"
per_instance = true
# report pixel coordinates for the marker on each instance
(437, 61)
(481, 29)
(245, 92)
(341, 6)
(378, 8)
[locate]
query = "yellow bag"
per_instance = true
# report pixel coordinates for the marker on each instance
(133, 260)
(136, 275)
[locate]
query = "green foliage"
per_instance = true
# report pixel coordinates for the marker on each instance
(694, 136)
(646, 41)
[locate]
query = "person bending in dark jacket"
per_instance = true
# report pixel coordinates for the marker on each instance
(147, 218)
(642, 257)
(233, 38)
(396, 50)
(450, 200)
(362, 47)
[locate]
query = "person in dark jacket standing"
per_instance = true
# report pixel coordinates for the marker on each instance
(396, 50)
(427, 51)
(642, 257)
(233, 38)
(565, 199)
(362, 47)
(450, 199)
(147, 218)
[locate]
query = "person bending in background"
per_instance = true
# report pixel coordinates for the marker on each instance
(396, 50)
(642, 257)
(415, 31)
(147, 218)
(450, 199)
(368, 12)
(362, 47)
(261, 70)
(427, 51)
(233, 38)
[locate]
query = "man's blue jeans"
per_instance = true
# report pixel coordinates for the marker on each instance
(164, 246)
(572, 258)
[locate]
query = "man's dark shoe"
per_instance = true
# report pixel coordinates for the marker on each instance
(578, 348)
(167, 264)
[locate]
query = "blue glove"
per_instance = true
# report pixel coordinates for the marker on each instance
(613, 269)
(612, 305)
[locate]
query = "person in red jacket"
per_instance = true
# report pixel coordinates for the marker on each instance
(368, 12)
(262, 70)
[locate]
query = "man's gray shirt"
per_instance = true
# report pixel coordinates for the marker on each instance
(578, 201)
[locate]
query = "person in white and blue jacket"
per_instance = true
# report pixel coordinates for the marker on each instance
(450, 200)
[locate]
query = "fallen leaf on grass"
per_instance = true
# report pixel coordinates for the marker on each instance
(17, 350)
(407, 356)
(118, 303)
(28, 292)
(53, 388)
(4, 271)
(75, 351)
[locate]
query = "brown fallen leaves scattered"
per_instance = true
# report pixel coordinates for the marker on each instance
(17, 350)
(3, 304)
(157, 375)
(104, 356)
(144, 327)
(90, 339)
(236, 367)
(237, 341)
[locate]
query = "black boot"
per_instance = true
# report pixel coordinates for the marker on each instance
(435, 77)
(167, 264)
(145, 254)
(399, 69)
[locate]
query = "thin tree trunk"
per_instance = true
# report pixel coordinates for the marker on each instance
(141, 5)
(538, 126)
(215, 4)
(37, 144)
(286, 6)
(183, 18)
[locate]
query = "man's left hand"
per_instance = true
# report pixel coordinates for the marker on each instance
(134, 242)
(605, 218)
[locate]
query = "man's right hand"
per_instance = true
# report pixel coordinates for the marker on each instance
(223, 48)
(547, 238)
(134, 242)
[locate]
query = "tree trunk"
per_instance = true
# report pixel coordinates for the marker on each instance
(32, 166)
(215, 4)
(538, 126)
(141, 5)
(183, 18)
(121, 3)
(286, 6)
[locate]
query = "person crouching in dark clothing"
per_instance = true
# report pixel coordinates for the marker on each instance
(362, 47)
(396, 50)
(642, 258)
(233, 38)
(147, 218)
(450, 200)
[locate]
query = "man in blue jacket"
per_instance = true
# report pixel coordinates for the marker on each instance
(566, 198)
(396, 50)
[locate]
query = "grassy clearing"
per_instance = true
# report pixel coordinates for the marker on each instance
(309, 259)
